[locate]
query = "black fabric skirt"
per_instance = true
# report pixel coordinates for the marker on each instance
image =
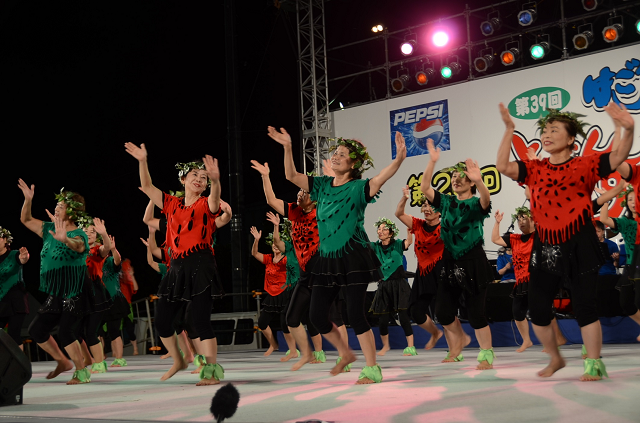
(190, 276)
(633, 268)
(357, 265)
(520, 289)
(76, 306)
(471, 272)
(391, 295)
(276, 304)
(99, 301)
(119, 310)
(425, 284)
(15, 301)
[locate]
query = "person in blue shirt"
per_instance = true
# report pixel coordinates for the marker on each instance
(609, 268)
(505, 266)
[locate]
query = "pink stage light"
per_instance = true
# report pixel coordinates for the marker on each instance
(440, 39)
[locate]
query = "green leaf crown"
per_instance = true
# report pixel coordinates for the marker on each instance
(72, 206)
(390, 224)
(357, 152)
(460, 167)
(185, 168)
(624, 194)
(521, 211)
(569, 117)
(4, 233)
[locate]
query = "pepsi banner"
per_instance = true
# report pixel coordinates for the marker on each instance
(419, 123)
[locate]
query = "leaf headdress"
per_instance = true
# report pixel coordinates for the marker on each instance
(569, 117)
(521, 211)
(357, 152)
(185, 168)
(624, 194)
(390, 224)
(460, 167)
(74, 208)
(4, 233)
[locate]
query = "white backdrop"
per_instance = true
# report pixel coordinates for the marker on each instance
(475, 126)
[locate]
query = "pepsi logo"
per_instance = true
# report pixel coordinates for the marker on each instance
(425, 129)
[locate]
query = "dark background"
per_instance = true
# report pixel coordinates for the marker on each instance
(79, 79)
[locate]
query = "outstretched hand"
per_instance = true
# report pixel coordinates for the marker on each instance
(60, 233)
(273, 218)
(24, 254)
(406, 192)
(256, 234)
(26, 190)
(620, 115)
(226, 208)
(531, 154)
(282, 137)
(498, 216)
(99, 225)
(326, 168)
(139, 153)
(401, 147)
(113, 242)
(145, 242)
(211, 166)
(434, 152)
(506, 117)
(473, 171)
(263, 169)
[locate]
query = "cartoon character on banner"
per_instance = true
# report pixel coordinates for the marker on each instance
(622, 86)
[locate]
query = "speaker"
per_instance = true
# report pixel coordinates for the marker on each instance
(499, 304)
(15, 371)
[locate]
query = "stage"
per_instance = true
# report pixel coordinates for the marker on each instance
(415, 389)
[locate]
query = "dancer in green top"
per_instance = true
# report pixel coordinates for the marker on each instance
(13, 294)
(345, 256)
(62, 273)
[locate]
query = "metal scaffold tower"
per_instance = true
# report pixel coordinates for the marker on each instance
(317, 127)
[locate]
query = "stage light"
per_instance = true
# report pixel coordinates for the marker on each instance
(539, 50)
(584, 38)
(424, 75)
(401, 81)
(409, 45)
(450, 70)
(440, 39)
(492, 24)
(510, 55)
(377, 28)
(638, 26)
(484, 61)
(613, 31)
(590, 4)
(528, 15)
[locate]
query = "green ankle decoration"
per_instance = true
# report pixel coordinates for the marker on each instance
(99, 367)
(458, 358)
(373, 373)
(182, 353)
(119, 362)
(487, 355)
(410, 350)
(212, 370)
(83, 375)
(595, 367)
(347, 368)
(584, 350)
(199, 360)
(298, 351)
(320, 356)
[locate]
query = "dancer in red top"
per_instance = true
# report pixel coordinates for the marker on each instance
(566, 246)
(193, 275)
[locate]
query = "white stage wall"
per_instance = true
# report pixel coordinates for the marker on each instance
(475, 128)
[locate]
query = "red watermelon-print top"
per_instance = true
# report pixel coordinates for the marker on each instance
(522, 246)
(561, 194)
(95, 262)
(189, 229)
(304, 232)
(428, 247)
(275, 274)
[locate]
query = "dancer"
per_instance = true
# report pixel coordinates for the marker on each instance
(428, 249)
(193, 275)
(394, 292)
(277, 297)
(627, 225)
(62, 274)
(465, 269)
(13, 292)
(345, 257)
(129, 287)
(566, 246)
(101, 301)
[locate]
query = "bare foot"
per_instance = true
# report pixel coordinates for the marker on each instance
(484, 365)
(589, 378)
(167, 355)
(561, 341)
(303, 360)
(292, 354)
(180, 365)
(524, 346)
(75, 381)
(196, 371)
(383, 351)
(64, 366)
(553, 367)
(434, 339)
(205, 382)
(364, 381)
(270, 350)
(347, 359)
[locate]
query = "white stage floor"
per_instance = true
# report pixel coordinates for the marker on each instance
(415, 390)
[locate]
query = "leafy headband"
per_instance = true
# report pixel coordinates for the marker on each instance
(84, 222)
(357, 152)
(521, 211)
(459, 167)
(4, 233)
(569, 117)
(185, 168)
(624, 194)
(388, 223)
(285, 233)
(72, 206)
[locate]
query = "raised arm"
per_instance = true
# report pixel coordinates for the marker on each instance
(495, 233)
(283, 138)
(503, 164)
(155, 250)
(140, 154)
(117, 258)
(409, 240)
(76, 243)
(604, 217)
(621, 118)
(609, 195)
(385, 174)
(434, 156)
(213, 172)
(475, 176)
(275, 203)
(150, 259)
(24, 255)
(226, 216)
(254, 248)
(278, 242)
(106, 239)
(148, 218)
(34, 225)
(400, 214)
